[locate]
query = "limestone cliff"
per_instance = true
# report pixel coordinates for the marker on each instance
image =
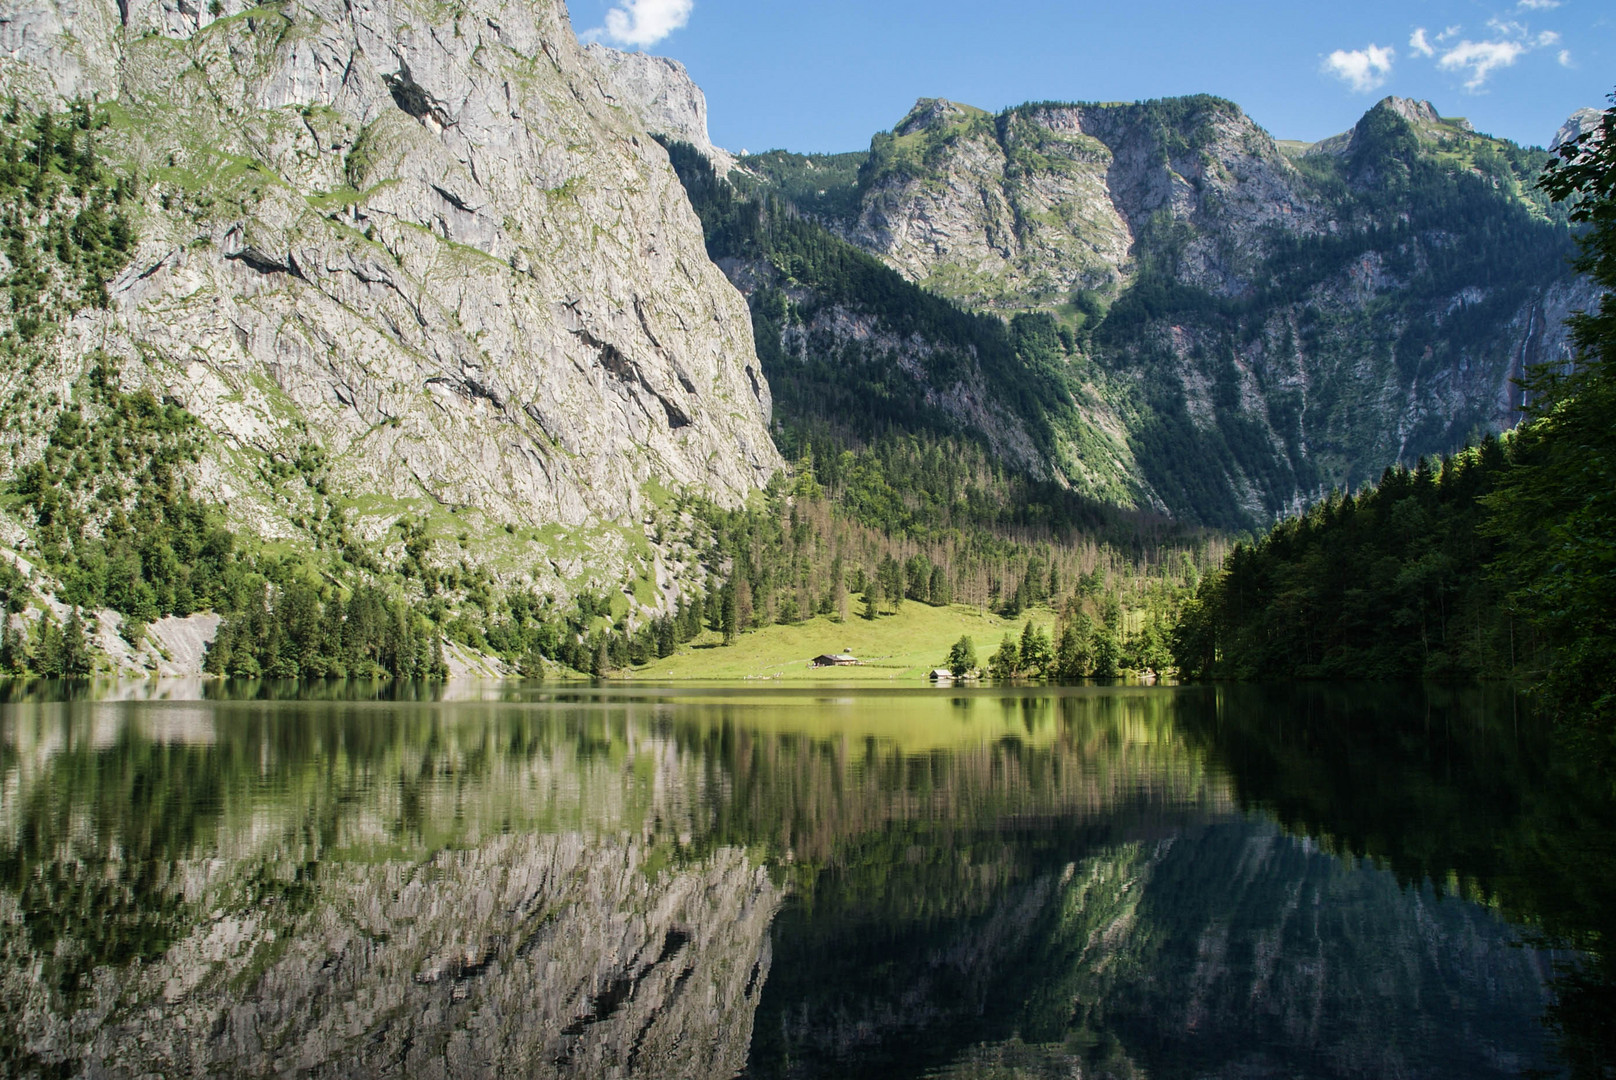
(660, 93)
(1578, 123)
(1022, 209)
(420, 241)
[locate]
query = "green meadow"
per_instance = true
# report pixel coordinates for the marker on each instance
(901, 647)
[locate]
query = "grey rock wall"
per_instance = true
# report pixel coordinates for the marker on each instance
(661, 94)
(1578, 123)
(420, 238)
(527, 955)
(1022, 209)
(1065, 208)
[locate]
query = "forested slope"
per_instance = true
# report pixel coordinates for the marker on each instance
(1498, 561)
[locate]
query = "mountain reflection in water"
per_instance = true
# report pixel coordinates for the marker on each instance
(1096, 883)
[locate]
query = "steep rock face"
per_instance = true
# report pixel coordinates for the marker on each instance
(1578, 123)
(1022, 209)
(943, 377)
(1272, 327)
(661, 94)
(421, 240)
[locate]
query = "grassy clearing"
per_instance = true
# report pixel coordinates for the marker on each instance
(894, 648)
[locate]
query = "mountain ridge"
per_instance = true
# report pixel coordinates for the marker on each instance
(1261, 325)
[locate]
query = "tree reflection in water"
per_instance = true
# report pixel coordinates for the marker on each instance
(1126, 882)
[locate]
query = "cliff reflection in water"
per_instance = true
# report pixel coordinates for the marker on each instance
(663, 885)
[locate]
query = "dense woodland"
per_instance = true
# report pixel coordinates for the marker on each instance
(1496, 562)
(1380, 585)
(823, 185)
(829, 549)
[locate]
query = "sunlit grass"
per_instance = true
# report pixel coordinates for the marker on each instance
(901, 647)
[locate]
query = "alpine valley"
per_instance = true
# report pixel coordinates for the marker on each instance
(417, 307)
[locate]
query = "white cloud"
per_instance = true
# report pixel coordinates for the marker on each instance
(640, 23)
(1362, 69)
(1565, 58)
(1539, 5)
(1479, 59)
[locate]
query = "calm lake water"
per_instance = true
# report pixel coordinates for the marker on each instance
(1102, 882)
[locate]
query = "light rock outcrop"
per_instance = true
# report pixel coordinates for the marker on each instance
(1577, 124)
(1022, 209)
(660, 93)
(419, 238)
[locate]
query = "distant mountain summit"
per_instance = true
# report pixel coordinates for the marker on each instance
(1578, 123)
(1421, 117)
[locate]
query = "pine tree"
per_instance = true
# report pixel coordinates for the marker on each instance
(962, 657)
(1035, 658)
(729, 622)
(1073, 656)
(1107, 653)
(47, 661)
(1003, 663)
(77, 661)
(13, 658)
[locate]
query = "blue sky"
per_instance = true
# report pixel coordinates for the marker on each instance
(825, 75)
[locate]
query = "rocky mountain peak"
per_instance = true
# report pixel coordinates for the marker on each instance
(661, 93)
(1577, 124)
(931, 113)
(1422, 117)
(1147, 230)
(1418, 113)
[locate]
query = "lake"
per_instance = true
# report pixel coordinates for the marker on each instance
(706, 882)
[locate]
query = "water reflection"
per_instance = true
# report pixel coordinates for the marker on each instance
(704, 883)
